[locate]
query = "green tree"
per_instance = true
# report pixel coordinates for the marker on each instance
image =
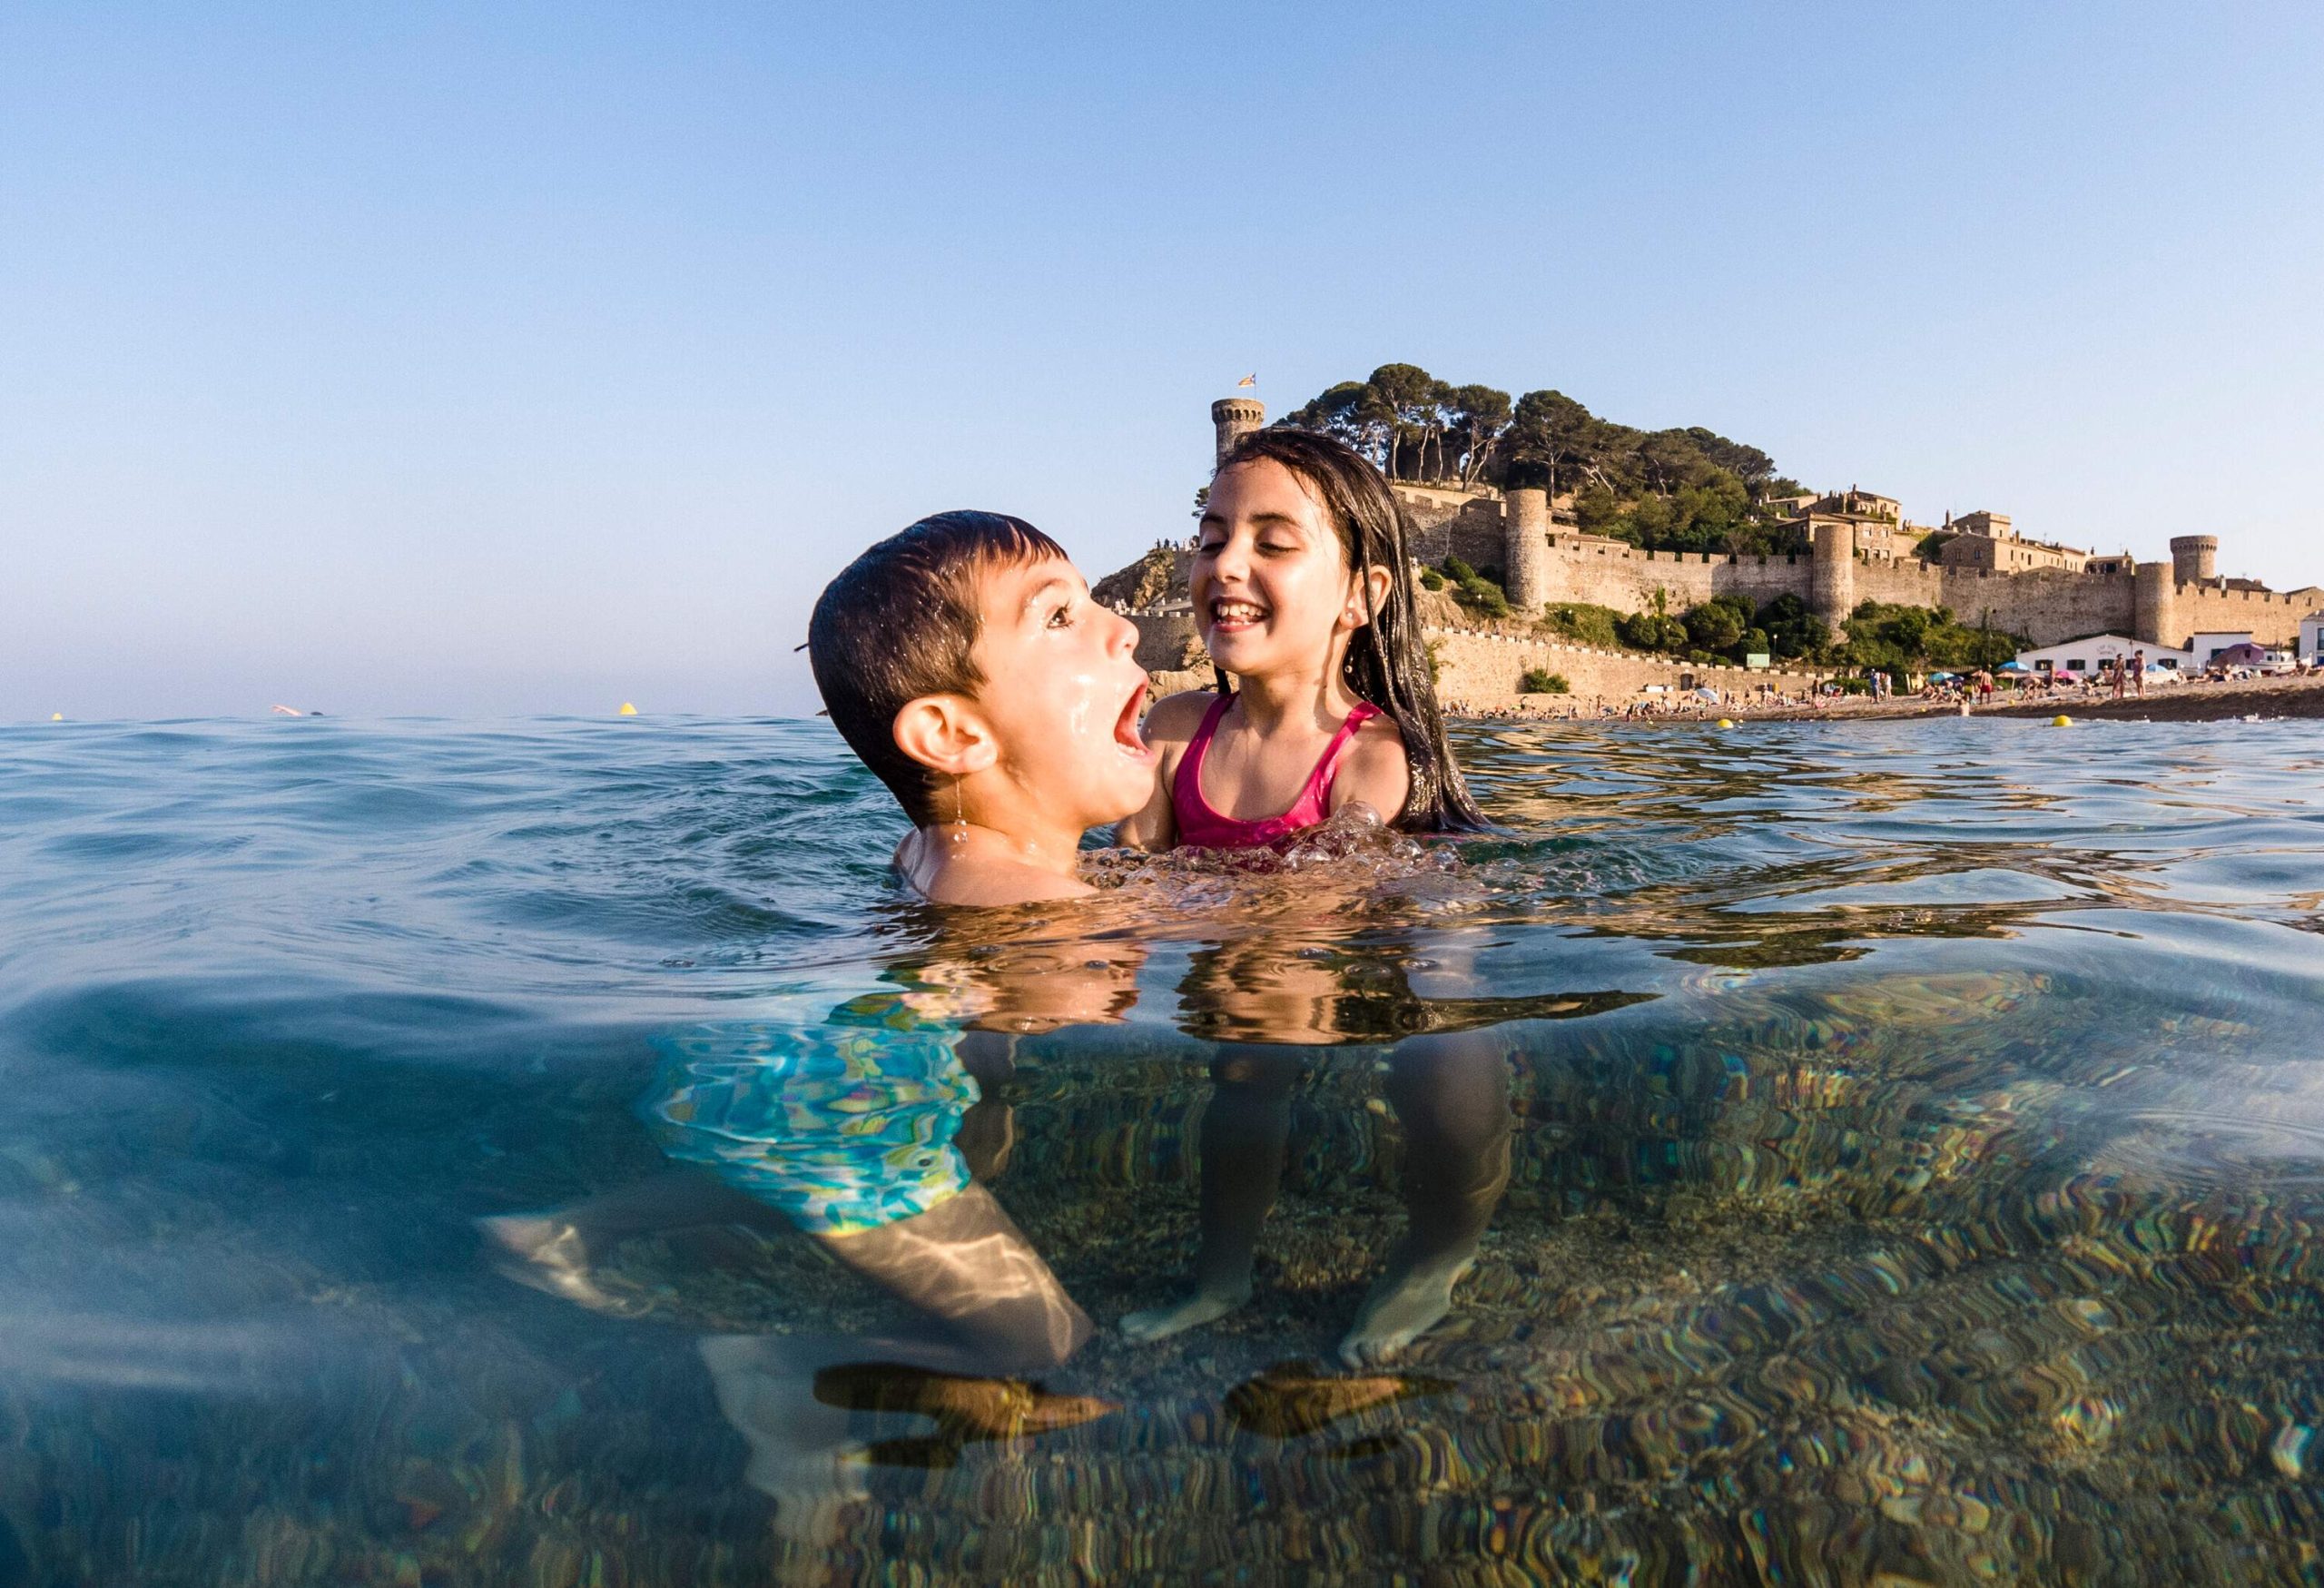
(1479, 416)
(1792, 630)
(1351, 412)
(1718, 624)
(1411, 394)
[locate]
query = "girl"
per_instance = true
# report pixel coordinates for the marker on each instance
(1302, 591)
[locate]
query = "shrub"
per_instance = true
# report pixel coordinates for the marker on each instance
(1650, 631)
(1483, 596)
(1583, 623)
(1537, 681)
(1478, 596)
(1718, 624)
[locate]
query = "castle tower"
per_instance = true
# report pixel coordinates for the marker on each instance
(1831, 572)
(2155, 605)
(2194, 557)
(1234, 418)
(1525, 535)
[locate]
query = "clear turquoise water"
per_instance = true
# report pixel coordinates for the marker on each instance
(1916, 1162)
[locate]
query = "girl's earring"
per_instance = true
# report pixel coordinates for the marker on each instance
(960, 812)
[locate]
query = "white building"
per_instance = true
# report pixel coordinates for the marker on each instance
(2312, 639)
(2208, 643)
(2086, 658)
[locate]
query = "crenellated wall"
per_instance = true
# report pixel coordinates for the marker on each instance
(1484, 668)
(1472, 665)
(2043, 607)
(1443, 522)
(2272, 616)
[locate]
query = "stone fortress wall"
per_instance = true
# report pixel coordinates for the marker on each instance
(1474, 666)
(2161, 603)
(1989, 576)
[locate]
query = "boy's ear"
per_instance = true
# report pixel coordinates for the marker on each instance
(946, 733)
(1374, 584)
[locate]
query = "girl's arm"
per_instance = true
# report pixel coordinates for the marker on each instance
(1169, 728)
(1375, 771)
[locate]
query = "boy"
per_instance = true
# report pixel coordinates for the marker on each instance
(965, 663)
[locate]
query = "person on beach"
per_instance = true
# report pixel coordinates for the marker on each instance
(1302, 593)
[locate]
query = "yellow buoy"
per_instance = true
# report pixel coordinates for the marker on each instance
(627, 709)
(2062, 722)
(1727, 722)
(56, 716)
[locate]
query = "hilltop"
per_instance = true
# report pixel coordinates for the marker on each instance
(1688, 489)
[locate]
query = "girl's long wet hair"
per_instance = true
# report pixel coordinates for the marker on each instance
(1386, 664)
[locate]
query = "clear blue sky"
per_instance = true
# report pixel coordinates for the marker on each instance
(482, 359)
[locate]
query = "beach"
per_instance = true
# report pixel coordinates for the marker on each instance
(2199, 701)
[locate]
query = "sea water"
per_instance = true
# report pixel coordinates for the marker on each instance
(1914, 1139)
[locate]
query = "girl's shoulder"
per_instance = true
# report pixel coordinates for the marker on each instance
(1178, 717)
(1377, 738)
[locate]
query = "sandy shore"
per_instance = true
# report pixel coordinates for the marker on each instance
(2191, 702)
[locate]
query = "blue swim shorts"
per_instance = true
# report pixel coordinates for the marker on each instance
(842, 1127)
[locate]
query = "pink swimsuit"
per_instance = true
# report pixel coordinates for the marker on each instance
(1201, 827)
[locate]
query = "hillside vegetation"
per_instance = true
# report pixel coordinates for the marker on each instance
(1680, 490)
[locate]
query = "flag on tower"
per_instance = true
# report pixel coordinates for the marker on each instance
(1250, 379)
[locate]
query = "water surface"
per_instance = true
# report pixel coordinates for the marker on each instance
(1914, 1138)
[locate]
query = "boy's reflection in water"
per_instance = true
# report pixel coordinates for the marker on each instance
(1266, 1000)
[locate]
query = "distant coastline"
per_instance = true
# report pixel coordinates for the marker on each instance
(2266, 698)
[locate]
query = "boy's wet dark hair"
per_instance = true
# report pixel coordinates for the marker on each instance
(1387, 663)
(901, 621)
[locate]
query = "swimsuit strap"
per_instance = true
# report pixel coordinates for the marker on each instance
(1327, 764)
(1186, 787)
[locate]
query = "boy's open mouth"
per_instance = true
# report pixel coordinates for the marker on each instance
(1126, 737)
(1230, 614)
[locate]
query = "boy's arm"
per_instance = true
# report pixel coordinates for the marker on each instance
(1168, 728)
(1375, 771)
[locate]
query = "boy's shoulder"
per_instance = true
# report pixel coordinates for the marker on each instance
(978, 880)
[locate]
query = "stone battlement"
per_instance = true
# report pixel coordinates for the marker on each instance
(2001, 579)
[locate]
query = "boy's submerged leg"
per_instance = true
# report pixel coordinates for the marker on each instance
(1450, 1094)
(965, 1264)
(1245, 1128)
(555, 1251)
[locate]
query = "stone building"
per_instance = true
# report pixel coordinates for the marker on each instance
(1860, 548)
(1985, 541)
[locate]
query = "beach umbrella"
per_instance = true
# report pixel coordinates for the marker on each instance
(2242, 656)
(1941, 677)
(2013, 668)
(1707, 694)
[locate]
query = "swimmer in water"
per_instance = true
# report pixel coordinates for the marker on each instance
(1302, 592)
(965, 662)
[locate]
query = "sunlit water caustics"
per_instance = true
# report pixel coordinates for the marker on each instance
(1898, 1148)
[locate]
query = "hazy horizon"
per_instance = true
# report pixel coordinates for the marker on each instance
(448, 364)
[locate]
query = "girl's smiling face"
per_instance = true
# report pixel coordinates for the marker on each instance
(1271, 586)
